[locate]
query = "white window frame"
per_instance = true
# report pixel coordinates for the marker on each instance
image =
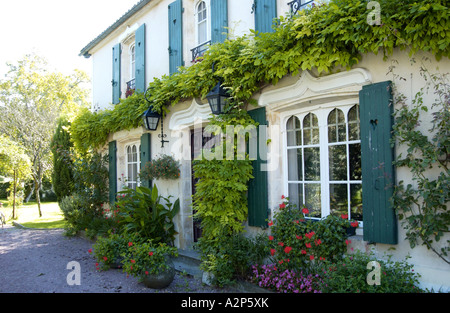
(138, 164)
(208, 21)
(132, 56)
(322, 112)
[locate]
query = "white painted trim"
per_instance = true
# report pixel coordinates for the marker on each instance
(310, 90)
(190, 116)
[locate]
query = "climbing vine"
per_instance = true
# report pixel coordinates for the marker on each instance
(423, 204)
(327, 37)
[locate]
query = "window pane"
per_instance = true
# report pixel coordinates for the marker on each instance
(353, 123)
(312, 199)
(296, 194)
(311, 129)
(338, 162)
(312, 163)
(355, 161)
(338, 199)
(356, 202)
(336, 126)
(295, 164)
(294, 134)
(130, 172)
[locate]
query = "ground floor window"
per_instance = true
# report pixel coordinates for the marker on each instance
(323, 154)
(133, 152)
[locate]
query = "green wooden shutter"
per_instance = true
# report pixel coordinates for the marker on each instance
(146, 154)
(140, 58)
(219, 20)
(112, 171)
(175, 36)
(377, 156)
(265, 11)
(258, 204)
(116, 74)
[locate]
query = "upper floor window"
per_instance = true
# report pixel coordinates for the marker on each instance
(202, 23)
(133, 61)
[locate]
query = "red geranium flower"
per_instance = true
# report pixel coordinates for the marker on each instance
(308, 245)
(281, 244)
(303, 251)
(133, 261)
(270, 237)
(344, 216)
(272, 252)
(130, 244)
(354, 224)
(287, 249)
(150, 253)
(282, 206)
(305, 211)
(311, 257)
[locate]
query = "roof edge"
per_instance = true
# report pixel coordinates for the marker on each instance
(138, 6)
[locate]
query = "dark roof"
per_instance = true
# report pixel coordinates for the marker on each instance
(85, 51)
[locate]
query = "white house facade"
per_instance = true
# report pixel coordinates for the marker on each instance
(314, 122)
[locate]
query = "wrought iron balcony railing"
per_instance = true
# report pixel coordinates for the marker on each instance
(199, 50)
(297, 5)
(131, 86)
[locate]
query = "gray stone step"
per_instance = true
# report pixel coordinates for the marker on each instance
(188, 261)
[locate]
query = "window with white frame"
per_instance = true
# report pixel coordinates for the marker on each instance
(133, 165)
(323, 152)
(202, 23)
(132, 62)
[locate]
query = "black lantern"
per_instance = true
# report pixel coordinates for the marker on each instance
(218, 98)
(151, 119)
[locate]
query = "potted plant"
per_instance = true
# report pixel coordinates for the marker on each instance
(108, 250)
(164, 167)
(150, 263)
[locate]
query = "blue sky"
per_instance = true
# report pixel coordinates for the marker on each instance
(55, 29)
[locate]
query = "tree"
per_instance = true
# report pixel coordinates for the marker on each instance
(32, 98)
(15, 164)
(61, 146)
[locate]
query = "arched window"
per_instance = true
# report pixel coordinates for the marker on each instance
(304, 162)
(202, 23)
(132, 62)
(324, 161)
(133, 161)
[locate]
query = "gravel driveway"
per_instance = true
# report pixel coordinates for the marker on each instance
(35, 261)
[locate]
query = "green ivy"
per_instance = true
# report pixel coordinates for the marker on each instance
(327, 37)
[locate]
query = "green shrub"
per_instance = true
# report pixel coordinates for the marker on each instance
(349, 275)
(147, 258)
(110, 250)
(298, 242)
(147, 213)
(74, 208)
(231, 257)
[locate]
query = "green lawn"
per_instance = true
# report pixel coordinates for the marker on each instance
(28, 215)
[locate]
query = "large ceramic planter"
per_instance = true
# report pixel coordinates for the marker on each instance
(161, 280)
